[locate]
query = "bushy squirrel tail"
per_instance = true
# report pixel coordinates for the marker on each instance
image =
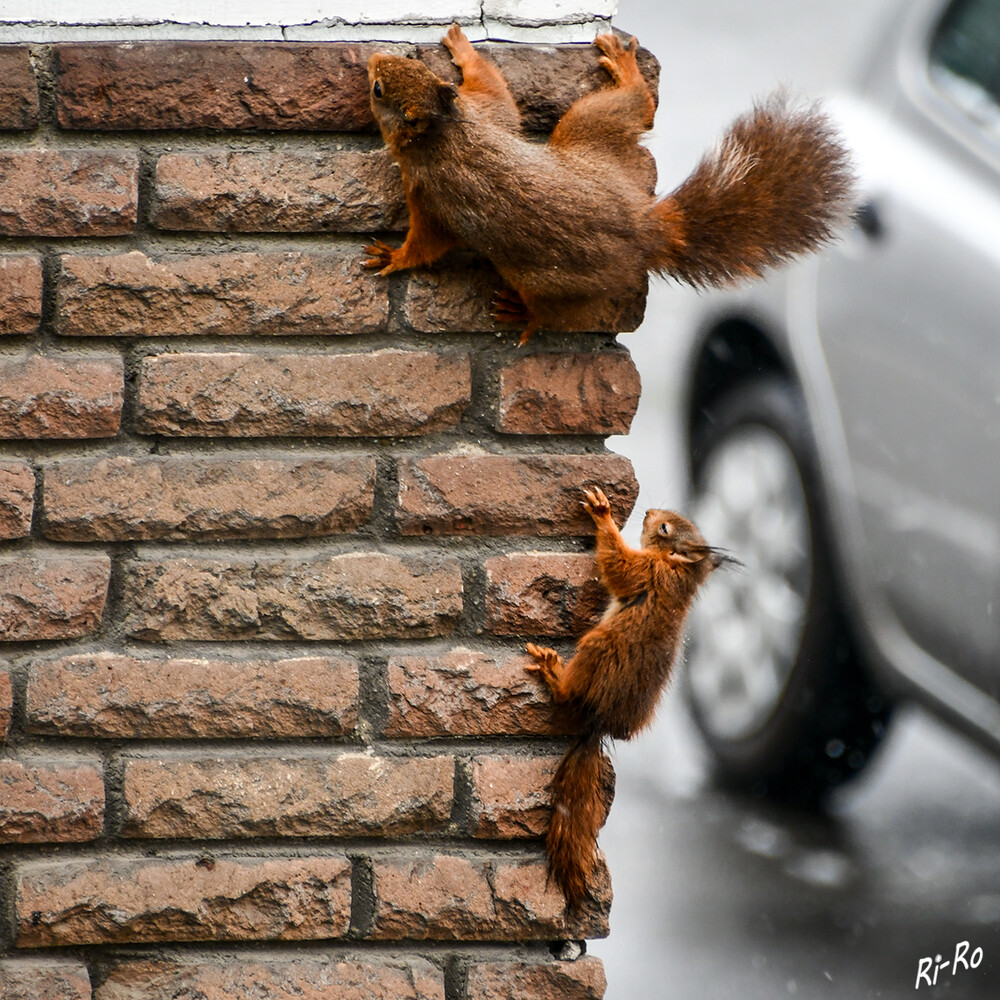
(779, 184)
(582, 790)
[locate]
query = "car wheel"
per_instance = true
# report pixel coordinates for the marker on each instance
(773, 678)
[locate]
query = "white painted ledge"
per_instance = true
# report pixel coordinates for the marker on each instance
(546, 21)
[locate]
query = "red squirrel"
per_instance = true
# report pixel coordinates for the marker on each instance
(572, 223)
(613, 682)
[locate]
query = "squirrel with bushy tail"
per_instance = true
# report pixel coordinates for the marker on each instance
(570, 225)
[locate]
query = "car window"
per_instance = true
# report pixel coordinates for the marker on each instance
(965, 59)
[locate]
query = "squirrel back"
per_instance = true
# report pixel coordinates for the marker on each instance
(573, 224)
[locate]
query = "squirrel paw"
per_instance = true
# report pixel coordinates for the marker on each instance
(379, 257)
(597, 504)
(509, 307)
(618, 60)
(548, 664)
(457, 44)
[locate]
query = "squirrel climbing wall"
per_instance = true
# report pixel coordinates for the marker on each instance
(275, 531)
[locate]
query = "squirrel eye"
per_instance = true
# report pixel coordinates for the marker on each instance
(377, 88)
(665, 528)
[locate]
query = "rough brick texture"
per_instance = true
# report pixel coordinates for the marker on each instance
(580, 980)
(50, 801)
(216, 85)
(346, 795)
(52, 597)
(18, 90)
(175, 498)
(303, 977)
(17, 499)
(543, 593)
(60, 397)
(274, 531)
(51, 192)
(20, 287)
(568, 394)
(473, 494)
(510, 796)
(6, 704)
(466, 693)
(343, 395)
(279, 192)
(455, 899)
(44, 979)
(122, 697)
(222, 295)
(190, 899)
(357, 595)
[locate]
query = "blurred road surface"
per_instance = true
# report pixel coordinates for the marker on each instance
(717, 898)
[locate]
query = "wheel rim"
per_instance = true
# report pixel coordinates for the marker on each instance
(747, 624)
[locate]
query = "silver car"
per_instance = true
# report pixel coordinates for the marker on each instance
(843, 425)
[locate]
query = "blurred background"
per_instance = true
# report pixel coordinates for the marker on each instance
(719, 895)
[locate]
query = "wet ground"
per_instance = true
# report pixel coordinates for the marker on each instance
(718, 898)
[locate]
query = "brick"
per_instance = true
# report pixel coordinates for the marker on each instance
(17, 499)
(450, 299)
(384, 393)
(466, 693)
(454, 299)
(49, 397)
(214, 85)
(120, 697)
(450, 898)
(545, 80)
(52, 597)
(135, 900)
(543, 593)
(510, 795)
(356, 595)
(293, 978)
(46, 978)
(18, 90)
(180, 497)
(345, 795)
(51, 801)
(219, 295)
(583, 979)
(480, 494)
(20, 284)
(73, 192)
(278, 192)
(6, 704)
(568, 393)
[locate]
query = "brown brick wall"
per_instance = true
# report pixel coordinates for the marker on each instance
(269, 545)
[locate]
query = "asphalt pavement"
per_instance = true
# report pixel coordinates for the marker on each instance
(718, 897)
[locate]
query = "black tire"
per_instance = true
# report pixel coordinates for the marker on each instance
(822, 718)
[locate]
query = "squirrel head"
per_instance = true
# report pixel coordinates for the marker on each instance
(407, 99)
(681, 542)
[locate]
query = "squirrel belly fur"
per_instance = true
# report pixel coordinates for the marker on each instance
(572, 223)
(613, 682)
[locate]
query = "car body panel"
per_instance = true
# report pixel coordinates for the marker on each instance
(893, 337)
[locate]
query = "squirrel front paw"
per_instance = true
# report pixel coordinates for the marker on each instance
(597, 504)
(549, 664)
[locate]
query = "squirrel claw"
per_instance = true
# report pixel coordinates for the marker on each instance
(379, 257)
(597, 504)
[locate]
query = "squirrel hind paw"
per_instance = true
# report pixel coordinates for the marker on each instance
(509, 307)
(378, 256)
